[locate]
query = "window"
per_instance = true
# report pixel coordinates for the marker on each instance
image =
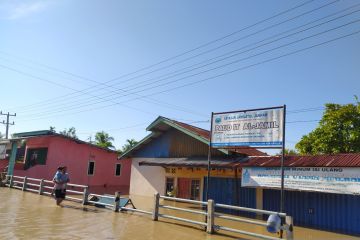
(91, 168)
(35, 156)
(118, 169)
(169, 187)
(195, 189)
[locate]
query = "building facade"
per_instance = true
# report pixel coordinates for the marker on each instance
(40, 153)
(172, 160)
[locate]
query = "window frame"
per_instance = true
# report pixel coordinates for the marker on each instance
(88, 168)
(116, 164)
(191, 185)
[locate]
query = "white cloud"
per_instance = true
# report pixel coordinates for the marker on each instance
(17, 10)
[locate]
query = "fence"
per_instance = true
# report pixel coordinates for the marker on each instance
(207, 208)
(45, 187)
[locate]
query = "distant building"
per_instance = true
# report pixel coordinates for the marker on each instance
(172, 160)
(39, 153)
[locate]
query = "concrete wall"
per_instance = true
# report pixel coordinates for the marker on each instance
(146, 180)
(75, 156)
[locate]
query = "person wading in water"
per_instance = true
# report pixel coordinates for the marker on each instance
(60, 180)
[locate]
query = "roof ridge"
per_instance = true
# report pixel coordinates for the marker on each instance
(190, 125)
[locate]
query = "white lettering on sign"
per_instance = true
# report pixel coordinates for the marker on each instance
(251, 128)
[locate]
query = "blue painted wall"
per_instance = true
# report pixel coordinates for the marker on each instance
(223, 190)
(157, 148)
(326, 211)
(173, 143)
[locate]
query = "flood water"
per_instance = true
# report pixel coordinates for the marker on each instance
(25, 215)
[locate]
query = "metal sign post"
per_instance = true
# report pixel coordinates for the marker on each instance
(209, 160)
(282, 195)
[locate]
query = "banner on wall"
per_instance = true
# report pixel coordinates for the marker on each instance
(253, 128)
(321, 179)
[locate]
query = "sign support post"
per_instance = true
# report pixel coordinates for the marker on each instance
(209, 159)
(254, 128)
(282, 195)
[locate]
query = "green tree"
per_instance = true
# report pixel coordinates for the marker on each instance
(71, 132)
(289, 152)
(52, 129)
(129, 144)
(338, 131)
(103, 139)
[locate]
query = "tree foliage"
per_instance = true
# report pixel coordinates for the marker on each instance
(52, 129)
(102, 139)
(129, 144)
(338, 131)
(71, 132)
(291, 152)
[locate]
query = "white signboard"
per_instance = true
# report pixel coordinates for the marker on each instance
(321, 179)
(2, 151)
(259, 128)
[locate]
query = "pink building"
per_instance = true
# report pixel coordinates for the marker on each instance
(41, 152)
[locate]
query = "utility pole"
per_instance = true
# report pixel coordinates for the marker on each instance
(7, 123)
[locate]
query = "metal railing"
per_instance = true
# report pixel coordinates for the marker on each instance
(157, 205)
(285, 227)
(45, 187)
(209, 213)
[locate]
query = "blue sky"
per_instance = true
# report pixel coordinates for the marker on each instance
(72, 63)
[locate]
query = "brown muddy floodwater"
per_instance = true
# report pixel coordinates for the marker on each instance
(25, 215)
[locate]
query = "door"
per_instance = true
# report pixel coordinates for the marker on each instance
(184, 188)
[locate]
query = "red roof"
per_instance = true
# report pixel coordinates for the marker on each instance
(198, 131)
(206, 134)
(336, 160)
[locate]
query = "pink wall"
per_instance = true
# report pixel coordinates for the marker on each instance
(63, 151)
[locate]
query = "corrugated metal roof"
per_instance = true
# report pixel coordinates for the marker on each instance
(189, 162)
(198, 131)
(336, 160)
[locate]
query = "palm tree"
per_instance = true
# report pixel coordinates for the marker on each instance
(129, 144)
(102, 139)
(71, 132)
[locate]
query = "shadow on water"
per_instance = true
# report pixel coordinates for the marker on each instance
(84, 209)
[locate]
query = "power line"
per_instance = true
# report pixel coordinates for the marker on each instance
(117, 129)
(303, 121)
(234, 41)
(236, 54)
(249, 66)
(130, 93)
(205, 71)
(199, 47)
(150, 100)
(217, 40)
